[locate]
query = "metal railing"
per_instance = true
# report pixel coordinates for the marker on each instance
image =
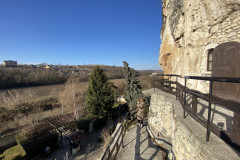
(117, 140)
(181, 91)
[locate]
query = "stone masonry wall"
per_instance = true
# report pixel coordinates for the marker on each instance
(187, 137)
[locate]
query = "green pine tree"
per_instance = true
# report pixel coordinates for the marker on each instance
(100, 96)
(133, 89)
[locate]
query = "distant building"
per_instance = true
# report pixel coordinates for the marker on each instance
(154, 74)
(32, 66)
(10, 63)
(47, 67)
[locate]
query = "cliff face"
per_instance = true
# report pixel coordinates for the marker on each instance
(190, 28)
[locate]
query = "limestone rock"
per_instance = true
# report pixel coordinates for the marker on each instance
(190, 28)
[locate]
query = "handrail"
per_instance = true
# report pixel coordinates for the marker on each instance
(122, 129)
(181, 90)
(170, 75)
(217, 79)
(150, 132)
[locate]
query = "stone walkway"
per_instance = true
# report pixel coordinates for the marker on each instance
(138, 146)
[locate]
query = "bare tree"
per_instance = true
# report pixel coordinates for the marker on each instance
(73, 96)
(68, 96)
(62, 101)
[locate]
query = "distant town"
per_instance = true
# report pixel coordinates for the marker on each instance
(50, 67)
(72, 69)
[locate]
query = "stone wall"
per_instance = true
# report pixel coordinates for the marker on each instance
(190, 29)
(184, 136)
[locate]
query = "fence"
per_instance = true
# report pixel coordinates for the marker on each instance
(182, 92)
(117, 140)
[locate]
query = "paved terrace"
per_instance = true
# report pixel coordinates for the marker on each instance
(138, 145)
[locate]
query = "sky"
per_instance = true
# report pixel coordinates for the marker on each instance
(78, 32)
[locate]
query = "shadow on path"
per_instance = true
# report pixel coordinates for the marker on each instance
(138, 145)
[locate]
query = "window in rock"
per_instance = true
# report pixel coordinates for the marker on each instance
(209, 62)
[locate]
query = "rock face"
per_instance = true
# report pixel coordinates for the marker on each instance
(191, 28)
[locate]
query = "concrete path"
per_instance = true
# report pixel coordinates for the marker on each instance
(138, 146)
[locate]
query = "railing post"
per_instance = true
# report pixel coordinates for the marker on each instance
(185, 85)
(236, 125)
(209, 110)
(194, 104)
(123, 133)
(176, 88)
(169, 84)
(109, 153)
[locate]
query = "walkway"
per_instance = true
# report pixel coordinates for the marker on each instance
(90, 149)
(138, 145)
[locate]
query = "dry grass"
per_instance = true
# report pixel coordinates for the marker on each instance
(117, 82)
(9, 99)
(13, 96)
(145, 81)
(15, 152)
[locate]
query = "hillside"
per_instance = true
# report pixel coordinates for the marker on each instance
(35, 75)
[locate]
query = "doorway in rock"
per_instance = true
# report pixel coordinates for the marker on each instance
(226, 63)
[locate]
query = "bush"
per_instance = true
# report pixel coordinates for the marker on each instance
(48, 103)
(34, 148)
(16, 152)
(83, 124)
(119, 109)
(99, 123)
(35, 105)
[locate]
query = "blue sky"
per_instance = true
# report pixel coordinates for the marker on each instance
(81, 32)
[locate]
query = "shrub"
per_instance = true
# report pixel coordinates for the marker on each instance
(48, 103)
(16, 152)
(119, 109)
(83, 124)
(99, 123)
(42, 104)
(36, 147)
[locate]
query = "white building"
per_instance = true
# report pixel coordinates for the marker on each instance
(10, 63)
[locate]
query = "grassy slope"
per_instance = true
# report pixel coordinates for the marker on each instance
(13, 153)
